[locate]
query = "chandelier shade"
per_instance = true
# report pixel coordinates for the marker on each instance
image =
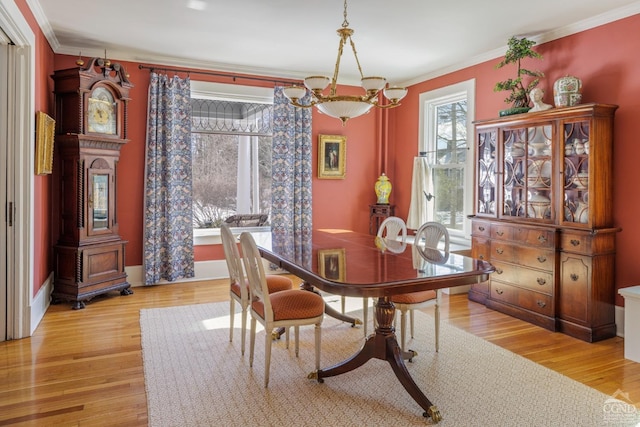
(345, 107)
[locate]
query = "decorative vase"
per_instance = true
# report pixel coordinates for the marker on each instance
(567, 91)
(383, 189)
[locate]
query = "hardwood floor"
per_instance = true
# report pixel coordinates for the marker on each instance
(84, 367)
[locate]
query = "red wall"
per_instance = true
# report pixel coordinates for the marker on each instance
(603, 58)
(336, 203)
(387, 141)
(42, 184)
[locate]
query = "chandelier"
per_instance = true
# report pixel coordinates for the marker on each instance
(344, 107)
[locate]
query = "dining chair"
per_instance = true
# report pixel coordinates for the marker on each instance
(239, 286)
(427, 238)
(293, 307)
(391, 228)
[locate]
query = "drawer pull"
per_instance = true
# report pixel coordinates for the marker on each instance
(542, 258)
(499, 291)
(541, 281)
(575, 242)
(499, 270)
(574, 277)
(499, 251)
(500, 233)
(481, 228)
(481, 257)
(541, 304)
(542, 238)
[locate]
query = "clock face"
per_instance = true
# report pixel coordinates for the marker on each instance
(101, 112)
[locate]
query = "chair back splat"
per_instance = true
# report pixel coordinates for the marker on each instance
(393, 227)
(238, 285)
(287, 308)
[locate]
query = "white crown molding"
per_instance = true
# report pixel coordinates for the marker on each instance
(43, 22)
(577, 27)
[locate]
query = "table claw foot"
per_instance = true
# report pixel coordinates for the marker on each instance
(314, 376)
(434, 414)
(356, 322)
(412, 354)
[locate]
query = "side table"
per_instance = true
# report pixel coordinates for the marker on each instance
(377, 214)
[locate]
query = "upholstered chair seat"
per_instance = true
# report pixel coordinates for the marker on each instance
(283, 309)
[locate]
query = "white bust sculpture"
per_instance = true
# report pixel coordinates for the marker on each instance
(536, 95)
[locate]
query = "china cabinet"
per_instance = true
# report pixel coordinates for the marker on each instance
(543, 217)
(91, 126)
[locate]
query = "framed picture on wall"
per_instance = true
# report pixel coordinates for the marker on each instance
(331, 264)
(45, 131)
(332, 153)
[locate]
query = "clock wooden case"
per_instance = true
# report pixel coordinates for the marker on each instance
(91, 127)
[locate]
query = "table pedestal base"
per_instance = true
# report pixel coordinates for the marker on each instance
(384, 346)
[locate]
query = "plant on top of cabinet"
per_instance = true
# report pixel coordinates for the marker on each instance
(517, 50)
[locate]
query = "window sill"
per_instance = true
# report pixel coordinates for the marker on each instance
(211, 236)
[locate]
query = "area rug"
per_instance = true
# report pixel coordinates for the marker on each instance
(195, 377)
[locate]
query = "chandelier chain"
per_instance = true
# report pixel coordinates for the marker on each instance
(345, 107)
(345, 23)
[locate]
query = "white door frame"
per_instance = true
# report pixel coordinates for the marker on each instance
(20, 169)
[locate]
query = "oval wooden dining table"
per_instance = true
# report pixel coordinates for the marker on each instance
(348, 263)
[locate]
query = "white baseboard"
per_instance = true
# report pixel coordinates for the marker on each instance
(40, 303)
(204, 270)
(619, 321)
(209, 270)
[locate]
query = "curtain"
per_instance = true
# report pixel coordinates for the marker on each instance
(291, 222)
(419, 213)
(168, 226)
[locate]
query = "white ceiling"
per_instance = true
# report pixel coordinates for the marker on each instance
(404, 40)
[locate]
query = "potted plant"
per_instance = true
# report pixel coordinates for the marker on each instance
(517, 50)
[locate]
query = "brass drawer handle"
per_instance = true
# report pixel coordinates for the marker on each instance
(574, 277)
(499, 251)
(500, 233)
(541, 281)
(542, 238)
(481, 257)
(575, 242)
(499, 291)
(481, 228)
(542, 304)
(499, 271)
(542, 258)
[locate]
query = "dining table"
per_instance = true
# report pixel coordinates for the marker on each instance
(354, 264)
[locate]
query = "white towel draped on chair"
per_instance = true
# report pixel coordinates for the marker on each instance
(420, 185)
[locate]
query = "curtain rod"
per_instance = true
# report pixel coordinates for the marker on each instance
(211, 73)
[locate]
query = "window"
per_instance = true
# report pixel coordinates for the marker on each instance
(446, 136)
(231, 145)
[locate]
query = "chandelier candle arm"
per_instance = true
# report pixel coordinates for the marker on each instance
(345, 107)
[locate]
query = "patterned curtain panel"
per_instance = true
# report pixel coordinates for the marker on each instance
(291, 222)
(168, 227)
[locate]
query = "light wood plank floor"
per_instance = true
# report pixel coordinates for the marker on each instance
(84, 367)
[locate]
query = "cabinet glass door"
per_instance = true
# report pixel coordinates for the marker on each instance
(577, 146)
(99, 203)
(486, 180)
(527, 172)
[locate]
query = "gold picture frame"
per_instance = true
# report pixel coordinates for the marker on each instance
(332, 264)
(45, 132)
(332, 156)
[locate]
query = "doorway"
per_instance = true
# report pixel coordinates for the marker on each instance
(17, 124)
(4, 56)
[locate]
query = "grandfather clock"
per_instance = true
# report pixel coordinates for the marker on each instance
(91, 126)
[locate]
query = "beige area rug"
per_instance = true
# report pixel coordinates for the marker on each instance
(195, 377)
